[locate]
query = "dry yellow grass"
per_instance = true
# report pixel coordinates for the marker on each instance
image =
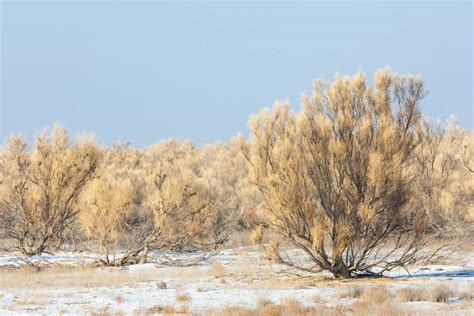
(440, 293)
(19, 302)
(376, 294)
(288, 307)
(317, 299)
(437, 293)
(265, 307)
(181, 295)
(353, 292)
(67, 276)
(364, 307)
(219, 270)
(119, 299)
(106, 312)
(409, 294)
(157, 309)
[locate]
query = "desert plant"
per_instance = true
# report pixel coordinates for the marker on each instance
(108, 214)
(336, 177)
(181, 200)
(257, 235)
(111, 209)
(237, 200)
(160, 198)
(41, 188)
(445, 182)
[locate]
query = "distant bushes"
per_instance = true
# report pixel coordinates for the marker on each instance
(169, 196)
(444, 165)
(127, 201)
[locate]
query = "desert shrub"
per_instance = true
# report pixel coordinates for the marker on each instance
(257, 235)
(112, 211)
(337, 177)
(445, 185)
(182, 201)
(41, 188)
(236, 198)
(109, 216)
(161, 198)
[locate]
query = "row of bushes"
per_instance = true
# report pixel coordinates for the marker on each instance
(172, 195)
(357, 179)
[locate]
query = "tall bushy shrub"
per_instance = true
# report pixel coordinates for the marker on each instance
(336, 176)
(41, 188)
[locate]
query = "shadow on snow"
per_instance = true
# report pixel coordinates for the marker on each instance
(446, 274)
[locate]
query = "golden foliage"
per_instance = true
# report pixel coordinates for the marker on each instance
(354, 176)
(41, 188)
(257, 235)
(338, 169)
(445, 187)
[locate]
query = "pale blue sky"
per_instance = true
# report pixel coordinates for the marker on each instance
(152, 70)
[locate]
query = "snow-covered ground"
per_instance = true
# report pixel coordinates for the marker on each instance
(234, 277)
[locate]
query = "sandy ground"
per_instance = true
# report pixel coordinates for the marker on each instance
(238, 278)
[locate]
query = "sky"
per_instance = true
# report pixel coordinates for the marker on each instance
(147, 71)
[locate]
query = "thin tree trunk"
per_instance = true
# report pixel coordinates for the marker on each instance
(340, 270)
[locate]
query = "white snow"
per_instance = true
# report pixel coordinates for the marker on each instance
(246, 279)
